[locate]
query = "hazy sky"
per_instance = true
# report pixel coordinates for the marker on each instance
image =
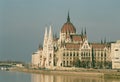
(22, 23)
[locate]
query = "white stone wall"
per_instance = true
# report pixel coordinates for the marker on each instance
(115, 53)
(36, 59)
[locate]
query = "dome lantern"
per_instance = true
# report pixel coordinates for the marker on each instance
(68, 26)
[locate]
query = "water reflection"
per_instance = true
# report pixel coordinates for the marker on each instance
(64, 78)
(25, 77)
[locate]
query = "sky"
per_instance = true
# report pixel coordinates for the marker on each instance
(23, 22)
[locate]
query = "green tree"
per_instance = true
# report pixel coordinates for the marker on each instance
(77, 63)
(93, 57)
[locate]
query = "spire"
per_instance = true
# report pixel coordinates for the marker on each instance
(45, 41)
(105, 40)
(68, 18)
(82, 32)
(101, 41)
(85, 31)
(45, 36)
(50, 34)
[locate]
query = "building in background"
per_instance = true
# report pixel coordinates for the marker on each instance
(115, 52)
(71, 50)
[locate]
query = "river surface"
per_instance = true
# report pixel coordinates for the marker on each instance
(9, 76)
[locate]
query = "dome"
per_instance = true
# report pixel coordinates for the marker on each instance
(68, 27)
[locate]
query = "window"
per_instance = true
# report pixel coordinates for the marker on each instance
(70, 54)
(63, 54)
(64, 62)
(101, 54)
(116, 58)
(116, 50)
(50, 55)
(67, 63)
(105, 54)
(77, 54)
(74, 54)
(67, 54)
(40, 56)
(84, 54)
(81, 54)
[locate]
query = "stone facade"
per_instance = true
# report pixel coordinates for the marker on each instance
(71, 50)
(115, 52)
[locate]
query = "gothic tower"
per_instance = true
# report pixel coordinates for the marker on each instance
(50, 49)
(44, 53)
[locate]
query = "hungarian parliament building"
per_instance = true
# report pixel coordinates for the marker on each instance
(71, 50)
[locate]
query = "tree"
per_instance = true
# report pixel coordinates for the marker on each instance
(93, 61)
(77, 63)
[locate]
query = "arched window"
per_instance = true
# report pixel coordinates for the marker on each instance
(81, 53)
(64, 62)
(86, 54)
(105, 54)
(74, 54)
(101, 54)
(70, 54)
(67, 54)
(67, 63)
(77, 54)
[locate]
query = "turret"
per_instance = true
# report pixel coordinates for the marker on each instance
(50, 36)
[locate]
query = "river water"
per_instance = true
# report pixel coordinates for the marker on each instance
(9, 76)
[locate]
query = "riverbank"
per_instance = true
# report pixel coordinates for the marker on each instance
(80, 72)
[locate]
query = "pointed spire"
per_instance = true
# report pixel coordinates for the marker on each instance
(101, 41)
(45, 36)
(68, 18)
(82, 31)
(105, 40)
(45, 39)
(85, 31)
(50, 33)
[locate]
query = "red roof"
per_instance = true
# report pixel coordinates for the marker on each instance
(98, 45)
(72, 46)
(68, 27)
(76, 38)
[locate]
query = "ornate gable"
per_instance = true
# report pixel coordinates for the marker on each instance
(85, 45)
